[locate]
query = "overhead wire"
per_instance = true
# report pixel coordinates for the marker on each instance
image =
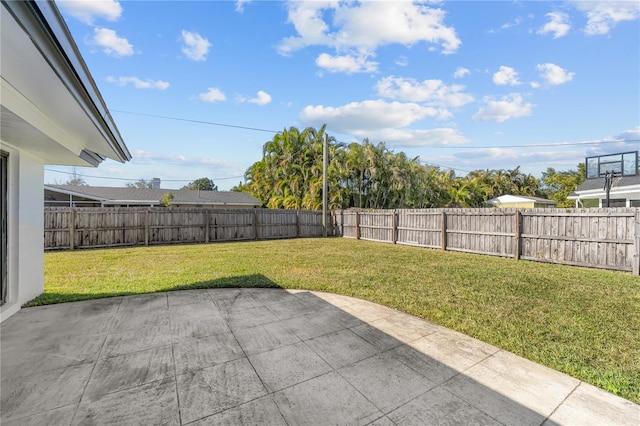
(135, 179)
(257, 129)
(446, 146)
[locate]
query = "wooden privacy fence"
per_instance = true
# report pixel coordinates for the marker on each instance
(72, 228)
(599, 238)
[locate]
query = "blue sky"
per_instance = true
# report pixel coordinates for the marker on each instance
(461, 84)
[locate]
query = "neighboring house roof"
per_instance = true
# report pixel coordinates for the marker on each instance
(595, 187)
(113, 195)
(591, 184)
(510, 199)
(50, 105)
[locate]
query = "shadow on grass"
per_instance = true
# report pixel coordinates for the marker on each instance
(241, 281)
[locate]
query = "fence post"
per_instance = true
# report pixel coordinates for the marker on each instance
(636, 245)
(443, 233)
(146, 227)
(72, 229)
(298, 223)
(342, 222)
(207, 225)
(357, 225)
(394, 227)
(517, 232)
(255, 224)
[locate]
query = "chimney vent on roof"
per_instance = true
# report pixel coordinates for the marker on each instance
(155, 183)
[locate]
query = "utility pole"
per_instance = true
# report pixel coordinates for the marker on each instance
(325, 184)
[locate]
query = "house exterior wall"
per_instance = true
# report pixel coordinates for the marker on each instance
(25, 218)
(526, 205)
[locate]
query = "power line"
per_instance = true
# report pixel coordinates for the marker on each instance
(443, 166)
(534, 145)
(210, 123)
(129, 179)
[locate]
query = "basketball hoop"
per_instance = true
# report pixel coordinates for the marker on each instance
(611, 179)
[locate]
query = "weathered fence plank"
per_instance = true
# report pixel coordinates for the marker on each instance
(71, 228)
(599, 238)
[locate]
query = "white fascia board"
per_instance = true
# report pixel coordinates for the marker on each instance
(145, 202)
(74, 193)
(602, 193)
(25, 109)
(42, 23)
(213, 204)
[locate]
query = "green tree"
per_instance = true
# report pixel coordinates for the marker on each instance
(367, 175)
(166, 199)
(290, 172)
(140, 184)
(202, 184)
(559, 185)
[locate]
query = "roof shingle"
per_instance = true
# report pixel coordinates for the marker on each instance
(147, 195)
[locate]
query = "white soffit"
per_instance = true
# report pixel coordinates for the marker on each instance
(37, 101)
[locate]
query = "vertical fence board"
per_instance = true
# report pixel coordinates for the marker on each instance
(601, 238)
(70, 228)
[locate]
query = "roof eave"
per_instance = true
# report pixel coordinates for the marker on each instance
(45, 25)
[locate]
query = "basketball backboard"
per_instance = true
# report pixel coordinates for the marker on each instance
(623, 164)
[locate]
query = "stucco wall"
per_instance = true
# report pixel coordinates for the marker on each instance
(25, 229)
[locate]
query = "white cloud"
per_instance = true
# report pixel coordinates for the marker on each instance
(558, 25)
(357, 29)
(89, 11)
(554, 74)
(138, 83)
(603, 16)
(149, 158)
(629, 135)
(506, 76)
(431, 92)
(402, 61)
(505, 108)
(509, 158)
(535, 84)
(213, 94)
(262, 98)
(346, 63)
(368, 115)
(416, 137)
(461, 72)
(195, 46)
(240, 5)
(111, 43)
(517, 21)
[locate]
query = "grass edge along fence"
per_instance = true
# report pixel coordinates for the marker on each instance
(599, 238)
(72, 228)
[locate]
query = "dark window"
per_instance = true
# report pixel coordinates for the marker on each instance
(617, 202)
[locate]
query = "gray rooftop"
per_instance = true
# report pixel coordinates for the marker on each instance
(591, 184)
(147, 195)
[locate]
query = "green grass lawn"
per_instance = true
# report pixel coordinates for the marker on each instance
(583, 322)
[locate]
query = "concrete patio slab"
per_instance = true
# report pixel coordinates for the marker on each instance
(386, 381)
(288, 365)
(272, 357)
(342, 348)
(212, 390)
(325, 400)
(440, 407)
